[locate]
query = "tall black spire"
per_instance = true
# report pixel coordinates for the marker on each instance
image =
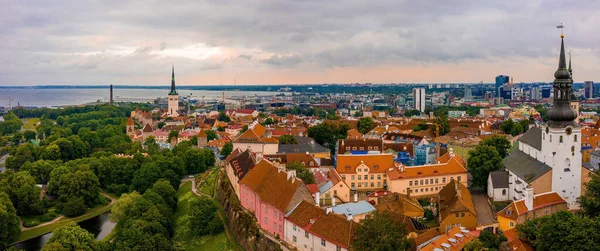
(173, 91)
(561, 114)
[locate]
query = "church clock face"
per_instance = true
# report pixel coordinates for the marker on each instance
(569, 130)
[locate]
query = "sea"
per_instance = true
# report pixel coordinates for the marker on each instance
(57, 97)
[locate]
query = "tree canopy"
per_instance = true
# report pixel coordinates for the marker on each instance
(500, 143)
(590, 200)
(561, 231)
(303, 173)
(227, 149)
(9, 222)
(327, 134)
(381, 232)
(483, 160)
(287, 140)
(365, 125)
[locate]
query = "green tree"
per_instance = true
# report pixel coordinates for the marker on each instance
(483, 160)
(327, 134)
(390, 234)
(491, 241)
(211, 135)
(29, 135)
(474, 245)
(40, 170)
(268, 121)
(524, 124)
(9, 222)
(244, 128)
(590, 200)
(507, 126)
(173, 134)
(227, 149)
(221, 129)
(223, 117)
(500, 143)
(74, 206)
(71, 237)
(561, 231)
(202, 213)
(16, 138)
(365, 125)
(151, 145)
(79, 184)
(302, 172)
(287, 140)
(24, 193)
(411, 113)
(161, 125)
(516, 129)
(123, 206)
(194, 140)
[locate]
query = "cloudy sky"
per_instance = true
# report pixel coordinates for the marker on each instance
(83, 42)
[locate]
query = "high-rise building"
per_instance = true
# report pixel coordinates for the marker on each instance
(501, 80)
(173, 102)
(419, 99)
(589, 89)
(535, 93)
(468, 93)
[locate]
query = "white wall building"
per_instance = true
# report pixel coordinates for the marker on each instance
(419, 99)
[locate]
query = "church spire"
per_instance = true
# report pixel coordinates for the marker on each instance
(173, 91)
(561, 114)
(570, 69)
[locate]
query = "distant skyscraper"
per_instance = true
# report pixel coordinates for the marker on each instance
(468, 93)
(589, 89)
(501, 80)
(535, 93)
(419, 99)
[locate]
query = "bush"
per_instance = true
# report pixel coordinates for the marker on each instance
(215, 226)
(424, 202)
(48, 217)
(118, 189)
(74, 207)
(428, 214)
(58, 210)
(30, 224)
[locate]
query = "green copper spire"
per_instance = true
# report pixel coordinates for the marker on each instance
(173, 91)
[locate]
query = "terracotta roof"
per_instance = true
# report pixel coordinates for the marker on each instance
(274, 188)
(426, 236)
(259, 129)
(455, 197)
(453, 166)
(377, 163)
(329, 226)
(202, 134)
(147, 128)
(354, 134)
(400, 203)
(130, 121)
(232, 155)
(517, 208)
(312, 188)
(242, 163)
(459, 242)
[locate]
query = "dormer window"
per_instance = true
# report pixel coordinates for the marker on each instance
(376, 166)
(312, 163)
(508, 212)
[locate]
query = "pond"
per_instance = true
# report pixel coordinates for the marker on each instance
(99, 226)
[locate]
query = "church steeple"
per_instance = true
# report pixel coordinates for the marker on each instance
(561, 114)
(173, 91)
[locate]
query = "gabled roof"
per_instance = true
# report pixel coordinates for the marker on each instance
(274, 188)
(533, 137)
(202, 134)
(454, 240)
(147, 128)
(130, 122)
(524, 166)
(242, 164)
(455, 197)
(329, 226)
(400, 203)
(354, 134)
(453, 166)
(499, 179)
(377, 163)
(354, 208)
(517, 208)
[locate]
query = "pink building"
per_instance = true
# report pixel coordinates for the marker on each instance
(270, 193)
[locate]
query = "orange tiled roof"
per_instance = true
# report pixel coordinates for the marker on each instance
(377, 163)
(272, 185)
(130, 121)
(517, 208)
(202, 133)
(354, 134)
(329, 226)
(259, 129)
(453, 234)
(453, 166)
(453, 200)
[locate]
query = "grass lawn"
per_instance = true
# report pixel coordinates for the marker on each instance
(183, 235)
(32, 233)
(29, 123)
(208, 185)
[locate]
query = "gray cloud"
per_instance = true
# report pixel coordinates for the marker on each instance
(94, 41)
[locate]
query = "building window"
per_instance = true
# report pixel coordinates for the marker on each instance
(426, 182)
(456, 215)
(275, 214)
(436, 180)
(575, 138)
(359, 184)
(280, 228)
(443, 180)
(372, 184)
(281, 217)
(274, 226)
(379, 176)
(427, 189)
(372, 177)
(421, 190)
(335, 192)
(351, 177)
(294, 227)
(410, 183)
(436, 188)
(338, 248)
(352, 184)
(306, 234)
(512, 224)
(323, 242)
(344, 177)
(378, 184)
(560, 139)
(366, 177)
(503, 192)
(266, 220)
(359, 177)
(547, 211)
(462, 214)
(266, 209)
(458, 178)
(294, 238)
(421, 182)
(431, 181)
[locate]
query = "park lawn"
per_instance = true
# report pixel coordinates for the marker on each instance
(91, 213)
(184, 236)
(208, 186)
(29, 123)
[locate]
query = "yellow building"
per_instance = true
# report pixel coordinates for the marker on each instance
(456, 207)
(532, 206)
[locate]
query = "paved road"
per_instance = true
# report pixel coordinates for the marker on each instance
(485, 215)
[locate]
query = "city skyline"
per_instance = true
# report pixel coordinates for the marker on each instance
(306, 42)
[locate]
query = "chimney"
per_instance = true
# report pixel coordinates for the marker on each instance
(328, 210)
(318, 199)
(451, 152)
(356, 197)
(529, 198)
(349, 217)
(333, 201)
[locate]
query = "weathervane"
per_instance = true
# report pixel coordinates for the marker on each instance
(561, 27)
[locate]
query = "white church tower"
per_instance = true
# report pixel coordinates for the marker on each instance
(561, 140)
(173, 98)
